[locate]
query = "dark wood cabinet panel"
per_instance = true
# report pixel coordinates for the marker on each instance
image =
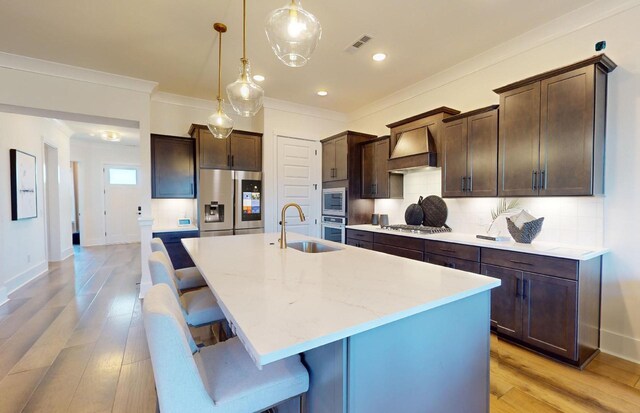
(399, 252)
(566, 135)
(377, 181)
(519, 141)
(172, 167)
(214, 153)
(558, 267)
(341, 171)
(482, 159)
(245, 151)
(465, 252)
(399, 241)
(328, 161)
(454, 162)
(550, 314)
(360, 235)
(451, 262)
(506, 303)
(360, 244)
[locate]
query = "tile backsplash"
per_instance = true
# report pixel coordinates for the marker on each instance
(567, 220)
(166, 212)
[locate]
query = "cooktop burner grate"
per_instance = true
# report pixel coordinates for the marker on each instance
(417, 229)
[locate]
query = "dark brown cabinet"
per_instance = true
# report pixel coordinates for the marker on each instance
(470, 154)
(172, 167)
(241, 151)
(552, 131)
(556, 312)
(377, 181)
(334, 159)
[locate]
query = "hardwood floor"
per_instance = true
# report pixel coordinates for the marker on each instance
(73, 341)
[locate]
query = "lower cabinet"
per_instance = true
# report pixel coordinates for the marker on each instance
(451, 262)
(172, 241)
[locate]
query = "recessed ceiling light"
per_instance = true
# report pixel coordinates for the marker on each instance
(110, 136)
(379, 57)
(322, 93)
(258, 78)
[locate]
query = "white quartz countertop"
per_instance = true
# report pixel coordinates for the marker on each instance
(175, 229)
(283, 302)
(539, 248)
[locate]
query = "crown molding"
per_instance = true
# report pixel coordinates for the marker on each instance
(181, 100)
(563, 25)
(44, 67)
(286, 106)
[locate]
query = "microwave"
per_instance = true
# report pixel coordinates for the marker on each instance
(334, 201)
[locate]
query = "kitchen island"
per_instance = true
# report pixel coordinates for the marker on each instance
(378, 333)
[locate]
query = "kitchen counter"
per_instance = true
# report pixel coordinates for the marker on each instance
(539, 248)
(174, 229)
(283, 302)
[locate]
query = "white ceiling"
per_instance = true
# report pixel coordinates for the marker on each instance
(90, 132)
(172, 42)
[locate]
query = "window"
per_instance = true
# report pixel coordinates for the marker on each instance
(123, 176)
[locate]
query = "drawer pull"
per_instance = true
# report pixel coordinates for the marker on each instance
(359, 235)
(447, 250)
(520, 262)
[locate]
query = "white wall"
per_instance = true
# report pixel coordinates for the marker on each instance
(91, 158)
(23, 244)
(566, 40)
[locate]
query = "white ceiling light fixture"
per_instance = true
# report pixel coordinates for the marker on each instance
(293, 33)
(245, 96)
(219, 123)
(379, 57)
(110, 136)
(258, 78)
(322, 93)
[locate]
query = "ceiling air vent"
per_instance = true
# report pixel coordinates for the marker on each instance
(364, 39)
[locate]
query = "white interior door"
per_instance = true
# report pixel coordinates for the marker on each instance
(121, 201)
(299, 165)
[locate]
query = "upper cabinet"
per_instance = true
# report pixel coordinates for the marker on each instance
(377, 181)
(172, 167)
(469, 153)
(240, 151)
(334, 159)
(552, 131)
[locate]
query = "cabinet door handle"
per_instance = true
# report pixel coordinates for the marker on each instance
(525, 285)
(375, 189)
(517, 287)
(520, 262)
(450, 265)
(534, 179)
(469, 184)
(232, 160)
(462, 185)
(542, 179)
(191, 189)
(229, 161)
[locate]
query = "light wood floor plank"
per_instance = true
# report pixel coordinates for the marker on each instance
(17, 388)
(498, 406)
(11, 306)
(136, 389)
(612, 372)
(18, 318)
(55, 392)
(98, 385)
(619, 363)
(137, 348)
(525, 402)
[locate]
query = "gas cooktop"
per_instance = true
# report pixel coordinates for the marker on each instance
(417, 229)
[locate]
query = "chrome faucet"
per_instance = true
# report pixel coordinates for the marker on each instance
(283, 231)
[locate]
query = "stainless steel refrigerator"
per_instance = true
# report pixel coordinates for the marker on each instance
(230, 203)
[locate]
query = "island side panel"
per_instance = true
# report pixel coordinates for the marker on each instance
(435, 361)
(327, 366)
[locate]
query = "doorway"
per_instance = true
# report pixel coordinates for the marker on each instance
(75, 205)
(51, 179)
(121, 203)
(298, 181)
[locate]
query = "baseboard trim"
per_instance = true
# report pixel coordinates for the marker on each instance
(69, 252)
(14, 284)
(620, 345)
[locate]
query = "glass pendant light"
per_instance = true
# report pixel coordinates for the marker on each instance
(219, 123)
(293, 33)
(245, 95)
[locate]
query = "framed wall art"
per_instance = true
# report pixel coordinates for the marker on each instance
(24, 198)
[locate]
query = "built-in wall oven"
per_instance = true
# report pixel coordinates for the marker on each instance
(333, 228)
(334, 201)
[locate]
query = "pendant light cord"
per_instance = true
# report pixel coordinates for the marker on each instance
(219, 62)
(244, 30)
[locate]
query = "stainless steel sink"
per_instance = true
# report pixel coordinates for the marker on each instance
(311, 247)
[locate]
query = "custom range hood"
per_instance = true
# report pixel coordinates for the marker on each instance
(415, 141)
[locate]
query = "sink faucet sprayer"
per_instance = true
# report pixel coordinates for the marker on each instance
(283, 231)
